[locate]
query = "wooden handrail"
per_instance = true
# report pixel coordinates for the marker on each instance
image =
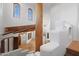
(6, 33)
(24, 30)
(18, 29)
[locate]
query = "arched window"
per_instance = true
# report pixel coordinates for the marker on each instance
(16, 10)
(30, 14)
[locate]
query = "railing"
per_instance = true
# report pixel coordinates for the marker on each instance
(9, 43)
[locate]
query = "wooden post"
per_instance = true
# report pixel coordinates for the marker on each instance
(39, 11)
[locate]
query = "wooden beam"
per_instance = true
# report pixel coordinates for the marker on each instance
(18, 29)
(39, 11)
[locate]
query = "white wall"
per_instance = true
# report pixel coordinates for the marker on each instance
(1, 19)
(9, 20)
(47, 15)
(67, 12)
(46, 21)
(46, 18)
(78, 22)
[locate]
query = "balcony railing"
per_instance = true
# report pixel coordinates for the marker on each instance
(9, 42)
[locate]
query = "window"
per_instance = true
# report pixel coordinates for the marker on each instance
(30, 14)
(16, 10)
(29, 35)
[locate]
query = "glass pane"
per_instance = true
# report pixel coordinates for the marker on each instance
(30, 14)
(16, 9)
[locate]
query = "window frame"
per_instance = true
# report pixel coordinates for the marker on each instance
(30, 16)
(14, 11)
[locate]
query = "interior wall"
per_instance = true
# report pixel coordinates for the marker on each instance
(68, 13)
(78, 23)
(1, 19)
(9, 20)
(46, 18)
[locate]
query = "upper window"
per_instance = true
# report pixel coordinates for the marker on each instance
(30, 14)
(16, 10)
